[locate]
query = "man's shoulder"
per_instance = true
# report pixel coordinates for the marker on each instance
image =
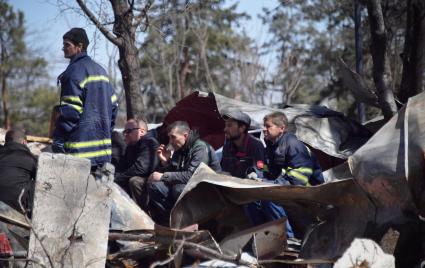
(254, 141)
(148, 141)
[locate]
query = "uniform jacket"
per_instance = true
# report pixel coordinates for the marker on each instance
(185, 161)
(290, 161)
(17, 171)
(87, 111)
(240, 162)
(140, 159)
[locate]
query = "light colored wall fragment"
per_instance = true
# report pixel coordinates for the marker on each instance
(71, 213)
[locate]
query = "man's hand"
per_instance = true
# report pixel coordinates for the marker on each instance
(163, 154)
(156, 176)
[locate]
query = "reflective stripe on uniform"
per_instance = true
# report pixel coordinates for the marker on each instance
(94, 78)
(84, 144)
(72, 101)
(93, 154)
(296, 173)
(114, 98)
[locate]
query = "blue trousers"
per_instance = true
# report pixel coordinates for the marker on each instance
(162, 198)
(263, 211)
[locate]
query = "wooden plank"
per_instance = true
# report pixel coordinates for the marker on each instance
(71, 214)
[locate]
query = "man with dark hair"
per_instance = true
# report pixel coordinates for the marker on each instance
(242, 152)
(166, 186)
(88, 104)
(17, 170)
(139, 161)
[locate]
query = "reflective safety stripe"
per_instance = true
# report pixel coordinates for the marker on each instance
(304, 170)
(298, 175)
(83, 144)
(76, 107)
(114, 98)
(93, 154)
(72, 100)
(94, 78)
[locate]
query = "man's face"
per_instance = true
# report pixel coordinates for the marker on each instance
(132, 133)
(232, 130)
(70, 50)
(177, 139)
(271, 131)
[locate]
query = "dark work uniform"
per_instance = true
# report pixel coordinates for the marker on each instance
(87, 111)
(289, 161)
(240, 162)
(139, 161)
(17, 171)
(163, 194)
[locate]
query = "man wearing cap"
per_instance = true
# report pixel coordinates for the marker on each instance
(88, 104)
(242, 152)
(242, 155)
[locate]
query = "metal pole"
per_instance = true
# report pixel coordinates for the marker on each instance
(359, 53)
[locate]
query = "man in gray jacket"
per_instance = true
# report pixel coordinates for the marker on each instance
(166, 185)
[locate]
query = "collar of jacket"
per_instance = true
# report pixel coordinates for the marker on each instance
(16, 145)
(193, 136)
(270, 143)
(77, 57)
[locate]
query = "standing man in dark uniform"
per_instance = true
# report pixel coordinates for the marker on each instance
(88, 104)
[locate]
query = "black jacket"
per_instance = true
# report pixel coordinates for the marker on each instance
(239, 163)
(186, 160)
(139, 159)
(17, 171)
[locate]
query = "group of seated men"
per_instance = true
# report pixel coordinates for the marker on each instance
(154, 174)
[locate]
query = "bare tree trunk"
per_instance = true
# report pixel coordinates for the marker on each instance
(129, 58)
(412, 81)
(381, 67)
(124, 37)
(184, 68)
(5, 97)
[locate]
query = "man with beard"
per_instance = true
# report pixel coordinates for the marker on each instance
(242, 152)
(165, 186)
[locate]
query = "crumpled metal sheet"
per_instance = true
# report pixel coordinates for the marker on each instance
(125, 214)
(390, 166)
(323, 129)
(387, 189)
(342, 208)
(267, 240)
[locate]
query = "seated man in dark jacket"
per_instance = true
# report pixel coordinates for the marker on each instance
(189, 151)
(139, 161)
(17, 170)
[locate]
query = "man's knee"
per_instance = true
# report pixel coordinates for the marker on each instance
(136, 182)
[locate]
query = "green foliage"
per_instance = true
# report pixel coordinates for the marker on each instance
(202, 35)
(28, 103)
(313, 35)
(32, 109)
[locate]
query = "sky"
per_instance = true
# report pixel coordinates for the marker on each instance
(46, 24)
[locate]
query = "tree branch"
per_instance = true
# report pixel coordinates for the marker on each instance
(117, 41)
